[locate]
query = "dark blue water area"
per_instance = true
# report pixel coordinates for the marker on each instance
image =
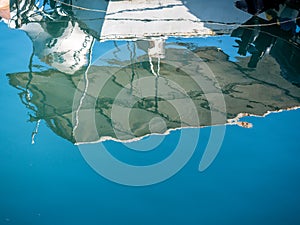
(254, 179)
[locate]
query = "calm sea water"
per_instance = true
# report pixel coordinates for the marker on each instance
(253, 180)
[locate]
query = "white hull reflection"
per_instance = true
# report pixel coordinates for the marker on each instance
(130, 19)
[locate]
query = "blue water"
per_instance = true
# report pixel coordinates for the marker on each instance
(254, 179)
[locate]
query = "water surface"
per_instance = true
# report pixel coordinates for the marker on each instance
(61, 84)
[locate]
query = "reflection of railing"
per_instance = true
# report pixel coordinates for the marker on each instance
(259, 6)
(259, 40)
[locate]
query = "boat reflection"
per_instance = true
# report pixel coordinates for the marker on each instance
(151, 84)
(106, 20)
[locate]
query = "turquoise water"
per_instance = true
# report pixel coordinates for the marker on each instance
(253, 180)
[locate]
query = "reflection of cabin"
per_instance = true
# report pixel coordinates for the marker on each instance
(245, 90)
